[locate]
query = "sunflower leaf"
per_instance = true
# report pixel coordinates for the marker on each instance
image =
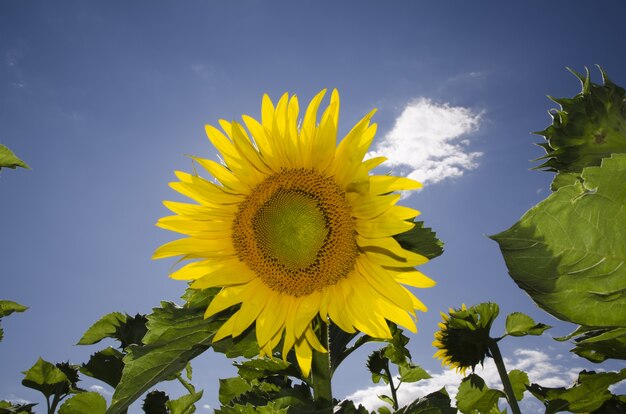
(568, 252)
(519, 324)
(589, 393)
(437, 402)
(599, 344)
(470, 398)
(46, 378)
(412, 373)
(8, 407)
(126, 329)
(7, 307)
(9, 160)
(185, 404)
(519, 383)
(86, 402)
(175, 336)
(421, 240)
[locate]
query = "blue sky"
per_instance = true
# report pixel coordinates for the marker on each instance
(104, 99)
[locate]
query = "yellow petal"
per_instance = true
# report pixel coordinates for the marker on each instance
(234, 273)
(368, 207)
(412, 277)
(382, 226)
(304, 355)
(382, 184)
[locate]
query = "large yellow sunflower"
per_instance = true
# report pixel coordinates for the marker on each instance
(292, 226)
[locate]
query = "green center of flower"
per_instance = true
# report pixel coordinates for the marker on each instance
(290, 228)
(295, 231)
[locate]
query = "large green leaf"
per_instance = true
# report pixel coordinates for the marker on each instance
(10, 160)
(589, 393)
(86, 402)
(588, 127)
(175, 336)
(185, 404)
(568, 252)
(519, 383)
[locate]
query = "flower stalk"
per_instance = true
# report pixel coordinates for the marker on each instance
(321, 373)
(506, 382)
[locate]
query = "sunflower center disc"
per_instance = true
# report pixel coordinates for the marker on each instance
(291, 229)
(295, 231)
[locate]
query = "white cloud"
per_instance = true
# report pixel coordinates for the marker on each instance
(427, 139)
(541, 368)
(101, 390)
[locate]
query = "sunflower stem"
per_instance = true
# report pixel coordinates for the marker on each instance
(394, 395)
(321, 373)
(506, 382)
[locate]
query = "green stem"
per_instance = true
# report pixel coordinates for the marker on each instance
(321, 375)
(394, 395)
(506, 382)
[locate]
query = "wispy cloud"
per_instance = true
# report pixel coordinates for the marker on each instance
(428, 139)
(541, 368)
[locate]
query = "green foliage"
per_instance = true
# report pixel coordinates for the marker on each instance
(589, 393)
(9, 160)
(421, 240)
(519, 324)
(412, 373)
(86, 402)
(7, 407)
(567, 252)
(519, 383)
(8, 307)
(264, 382)
(175, 336)
(588, 127)
(475, 396)
(185, 404)
(437, 402)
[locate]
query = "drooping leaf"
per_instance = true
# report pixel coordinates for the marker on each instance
(263, 367)
(175, 336)
(470, 398)
(384, 409)
(568, 251)
(519, 324)
(155, 403)
(412, 373)
(437, 402)
(421, 240)
(9, 160)
(185, 404)
(85, 402)
(588, 127)
(519, 383)
(7, 307)
(105, 365)
(46, 378)
(588, 394)
(8, 407)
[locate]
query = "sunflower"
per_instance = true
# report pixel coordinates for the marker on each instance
(463, 338)
(292, 226)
